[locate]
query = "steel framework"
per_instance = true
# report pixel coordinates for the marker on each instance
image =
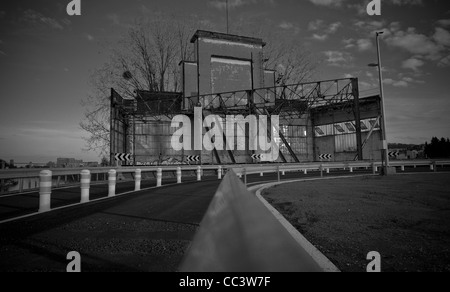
(287, 101)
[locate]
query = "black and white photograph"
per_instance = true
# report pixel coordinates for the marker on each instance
(225, 143)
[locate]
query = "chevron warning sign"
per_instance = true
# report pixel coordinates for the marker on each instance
(325, 156)
(123, 157)
(394, 154)
(256, 156)
(193, 158)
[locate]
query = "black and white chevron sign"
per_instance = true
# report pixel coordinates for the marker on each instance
(256, 156)
(193, 158)
(394, 154)
(122, 157)
(325, 156)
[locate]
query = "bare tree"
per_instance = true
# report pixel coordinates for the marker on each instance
(146, 59)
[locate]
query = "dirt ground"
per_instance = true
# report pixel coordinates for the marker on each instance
(406, 218)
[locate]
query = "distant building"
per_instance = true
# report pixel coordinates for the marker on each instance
(68, 163)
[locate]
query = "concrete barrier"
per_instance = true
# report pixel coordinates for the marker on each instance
(179, 174)
(112, 178)
(159, 177)
(85, 185)
(137, 179)
(45, 190)
(232, 239)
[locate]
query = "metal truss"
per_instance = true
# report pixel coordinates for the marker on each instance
(289, 102)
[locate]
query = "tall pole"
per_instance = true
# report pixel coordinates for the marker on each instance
(227, 19)
(383, 111)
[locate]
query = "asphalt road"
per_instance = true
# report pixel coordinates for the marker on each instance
(145, 231)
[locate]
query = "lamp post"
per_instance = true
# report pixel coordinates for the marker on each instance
(385, 156)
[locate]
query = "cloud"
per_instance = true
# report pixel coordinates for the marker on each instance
(319, 37)
(289, 26)
(89, 37)
(413, 64)
(405, 2)
(444, 22)
(337, 58)
(442, 37)
(333, 3)
(114, 18)
(361, 44)
(222, 5)
(323, 30)
(36, 18)
(444, 62)
(399, 83)
(418, 44)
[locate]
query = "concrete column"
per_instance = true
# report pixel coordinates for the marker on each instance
(45, 190)
(112, 183)
(137, 179)
(85, 185)
(178, 175)
(159, 177)
(199, 173)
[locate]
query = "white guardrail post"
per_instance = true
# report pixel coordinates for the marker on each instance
(199, 173)
(112, 183)
(45, 190)
(85, 185)
(137, 180)
(219, 172)
(178, 175)
(262, 173)
(159, 177)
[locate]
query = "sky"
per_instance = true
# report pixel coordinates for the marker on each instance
(47, 59)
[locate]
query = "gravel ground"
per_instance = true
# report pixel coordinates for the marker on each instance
(406, 218)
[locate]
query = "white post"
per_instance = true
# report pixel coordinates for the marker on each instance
(45, 190)
(112, 183)
(219, 172)
(328, 170)
(305, 171)
(262, 173)
(178, 175)
(199, 173)
(403, 168)
(85, 185)
(137, 180)
(159, 177)
(431, 167)
(351, 169)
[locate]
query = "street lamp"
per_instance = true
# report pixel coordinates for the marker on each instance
(385, 156)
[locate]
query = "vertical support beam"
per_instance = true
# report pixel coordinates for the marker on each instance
(159, 177)
(137, 179)
(179, 173)
(45, 190)
(199, 173)
(112, 183)
(112, 137)
(357, 114)
(85, 185)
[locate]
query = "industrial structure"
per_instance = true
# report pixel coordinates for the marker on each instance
(319, 121)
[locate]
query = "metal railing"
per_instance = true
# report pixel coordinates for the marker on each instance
(48, 179)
